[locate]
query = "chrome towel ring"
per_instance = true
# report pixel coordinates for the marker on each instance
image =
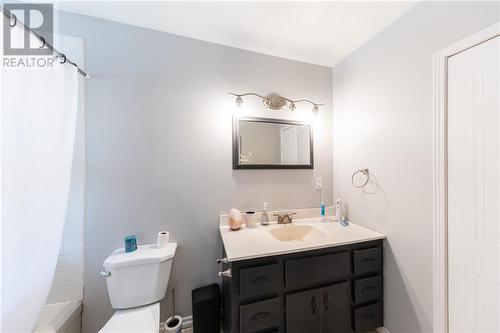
(364, 173)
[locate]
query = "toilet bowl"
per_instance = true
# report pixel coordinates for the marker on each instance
(142, 319)
(136, 282)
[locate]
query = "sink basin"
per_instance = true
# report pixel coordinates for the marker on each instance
(297, 233)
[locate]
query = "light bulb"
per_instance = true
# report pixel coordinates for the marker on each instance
(292, 107)
(239, 101)
(315, 109)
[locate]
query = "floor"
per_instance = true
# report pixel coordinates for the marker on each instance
(190, 330)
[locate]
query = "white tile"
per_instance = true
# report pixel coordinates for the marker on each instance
(58, 281)
(77, 184)
(60, 263)
(77, 168)
(73, 231)
(73, 278)
(73, 262)
(79, 148)
(68, 279)
(72, 246)
(73, 293)
(74, 215)
(56, 295)
(76, 194)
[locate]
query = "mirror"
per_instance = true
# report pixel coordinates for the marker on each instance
(262, 143)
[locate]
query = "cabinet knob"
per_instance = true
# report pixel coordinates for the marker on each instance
(222, 261)
(225, 274)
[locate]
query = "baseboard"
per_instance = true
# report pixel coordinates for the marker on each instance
(187, 322)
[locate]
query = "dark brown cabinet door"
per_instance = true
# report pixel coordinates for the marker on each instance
(336, 305)
(303, 311)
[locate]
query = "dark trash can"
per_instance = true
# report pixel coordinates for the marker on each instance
(206, 309)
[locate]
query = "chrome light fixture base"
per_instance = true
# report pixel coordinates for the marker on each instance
(276, 102)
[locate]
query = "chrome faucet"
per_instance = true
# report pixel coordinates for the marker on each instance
(285, 218)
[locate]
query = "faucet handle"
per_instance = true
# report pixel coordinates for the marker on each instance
(280, 217)
(285, 217)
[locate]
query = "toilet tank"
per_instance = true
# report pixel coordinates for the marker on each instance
(140, 277)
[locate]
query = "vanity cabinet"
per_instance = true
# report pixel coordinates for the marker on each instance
(321, 310)
(332, 290)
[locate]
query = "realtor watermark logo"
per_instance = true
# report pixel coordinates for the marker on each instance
(22, 48)
(40, 14)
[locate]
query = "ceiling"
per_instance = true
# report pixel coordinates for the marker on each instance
(321, 33)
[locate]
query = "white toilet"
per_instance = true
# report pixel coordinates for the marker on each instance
(137, 281)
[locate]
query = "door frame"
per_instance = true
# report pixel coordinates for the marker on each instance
(440, 285)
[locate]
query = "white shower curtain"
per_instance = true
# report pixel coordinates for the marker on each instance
(38, 118)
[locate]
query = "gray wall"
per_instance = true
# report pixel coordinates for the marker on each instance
(158, 138)
(383, 120)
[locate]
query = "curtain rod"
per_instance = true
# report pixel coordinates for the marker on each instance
(42, 40)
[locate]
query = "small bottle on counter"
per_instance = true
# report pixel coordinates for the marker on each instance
(322, 208)
(337, 212)
(322, 205)
(264, 218)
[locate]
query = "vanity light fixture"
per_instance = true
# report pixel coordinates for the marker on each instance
(276, 102)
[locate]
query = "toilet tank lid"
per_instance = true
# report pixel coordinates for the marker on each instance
(145, 254)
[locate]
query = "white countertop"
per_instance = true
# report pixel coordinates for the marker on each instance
(259, 242)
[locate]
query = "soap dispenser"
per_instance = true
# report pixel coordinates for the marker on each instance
(264, 219)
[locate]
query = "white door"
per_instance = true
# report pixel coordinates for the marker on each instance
(474, 189)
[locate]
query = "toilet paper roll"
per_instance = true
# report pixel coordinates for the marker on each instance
(162, 239)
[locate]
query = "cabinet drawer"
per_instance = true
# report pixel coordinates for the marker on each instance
(260, 280)
(260, 316)
(367, 261)
(312, 270)
(368, 289)
(368, 317)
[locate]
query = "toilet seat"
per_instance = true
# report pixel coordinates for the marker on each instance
(143, 319)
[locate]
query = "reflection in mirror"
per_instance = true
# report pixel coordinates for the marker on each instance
(261, 143)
